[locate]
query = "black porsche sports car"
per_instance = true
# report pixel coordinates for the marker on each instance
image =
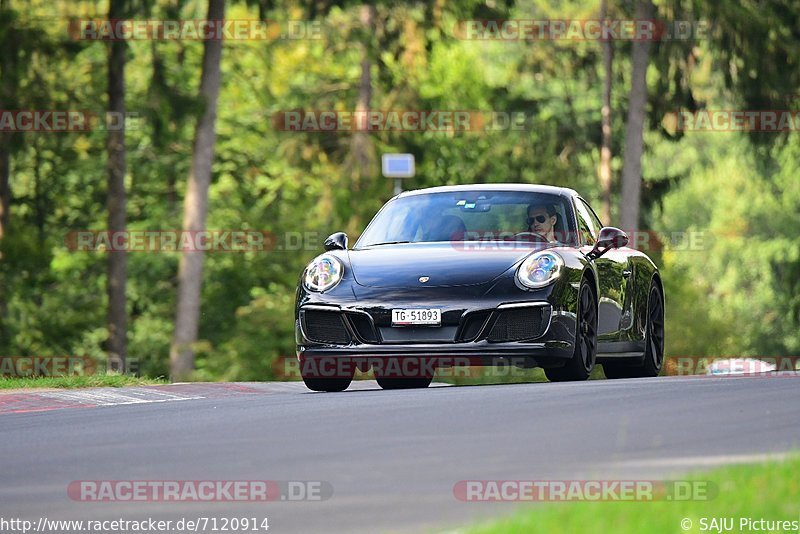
(479, 275)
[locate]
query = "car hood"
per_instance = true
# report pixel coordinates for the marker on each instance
(444, 264)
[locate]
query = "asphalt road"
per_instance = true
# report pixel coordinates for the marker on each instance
(391, 457)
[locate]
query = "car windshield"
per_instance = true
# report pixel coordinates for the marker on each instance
(471, 216)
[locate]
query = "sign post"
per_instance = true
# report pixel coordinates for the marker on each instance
(398, 166)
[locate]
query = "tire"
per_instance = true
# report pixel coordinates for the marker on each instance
(580, 365)
(616, 371)
(317, 381)
(402, 381)
(654, 342)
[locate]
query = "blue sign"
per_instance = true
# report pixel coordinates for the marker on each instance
(397, 165)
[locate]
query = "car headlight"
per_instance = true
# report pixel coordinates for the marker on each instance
(323, 273)
(540, 269)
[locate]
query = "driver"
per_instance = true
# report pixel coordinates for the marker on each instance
(542, 220)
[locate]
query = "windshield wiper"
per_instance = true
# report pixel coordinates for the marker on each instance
(388, 243)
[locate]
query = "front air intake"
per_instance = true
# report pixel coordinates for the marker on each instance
(472, 325)
(325, 327)
(363, 327)
(519, 324)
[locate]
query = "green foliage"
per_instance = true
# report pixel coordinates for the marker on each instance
(742, 282)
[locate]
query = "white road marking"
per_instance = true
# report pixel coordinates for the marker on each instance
(113, 398)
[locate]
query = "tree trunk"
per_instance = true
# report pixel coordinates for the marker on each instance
(360, 147)
(5, 189)
(605, 146)
(195, 208)
(158, 92)
(634, 130)
(9, 87)
(5, 204)
(361, 157)
(116, 201)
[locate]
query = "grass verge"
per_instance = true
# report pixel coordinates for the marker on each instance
(769, 491)
(74, 382)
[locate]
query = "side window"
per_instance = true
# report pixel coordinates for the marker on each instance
(586, 228)
(594, 220)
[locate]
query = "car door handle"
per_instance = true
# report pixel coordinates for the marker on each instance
(626, 273)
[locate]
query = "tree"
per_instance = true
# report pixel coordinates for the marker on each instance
(757, 43)
(634, 128)
(12, 65)
(605, 146)
(5, 156)
(195, 206)
(5, 190)
(116, 200)
(361, 148)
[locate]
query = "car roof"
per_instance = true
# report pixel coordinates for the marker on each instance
(527, 188)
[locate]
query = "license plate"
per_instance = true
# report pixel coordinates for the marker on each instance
(417, 316)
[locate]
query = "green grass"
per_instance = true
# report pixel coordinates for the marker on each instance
(770, 491)
(73, 382)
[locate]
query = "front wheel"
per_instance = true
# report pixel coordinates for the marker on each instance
(580, 366)
(327, 374)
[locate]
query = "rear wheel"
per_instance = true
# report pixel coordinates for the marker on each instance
(582, 362)
(393, 375)
(617, 370)
(403, 383)
(654, 342)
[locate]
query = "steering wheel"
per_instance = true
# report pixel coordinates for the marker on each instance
(530, 236)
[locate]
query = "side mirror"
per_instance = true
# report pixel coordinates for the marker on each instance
(336, 241)
(609, 238)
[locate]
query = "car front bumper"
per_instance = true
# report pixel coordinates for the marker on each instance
(472, 330)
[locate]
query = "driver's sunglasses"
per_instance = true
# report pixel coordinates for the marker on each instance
(539, 218)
